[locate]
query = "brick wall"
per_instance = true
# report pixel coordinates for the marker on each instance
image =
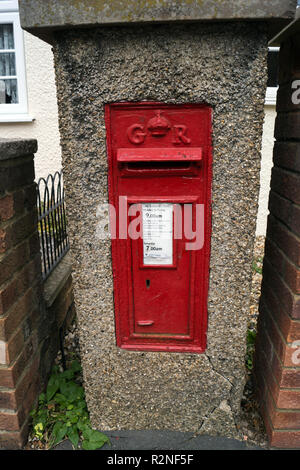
(29, 326)
(277, 356)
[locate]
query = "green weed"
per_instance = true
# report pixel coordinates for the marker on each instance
(62, 412)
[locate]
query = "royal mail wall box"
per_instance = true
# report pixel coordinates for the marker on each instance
(160, 185)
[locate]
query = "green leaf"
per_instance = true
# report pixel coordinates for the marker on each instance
(59, 432)
(52, 387)
(76, 367)
(60, 399)
(95, 443)
(71, 391)
(82, 423)
(93, 439)
(73, 436)
(251, 336)
(42, 398)
(68, 374)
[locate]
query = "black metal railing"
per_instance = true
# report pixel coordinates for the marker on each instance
(52, 223)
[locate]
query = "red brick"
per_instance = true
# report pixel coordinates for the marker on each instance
(288, 399)
(287, 126)
(10, 375)
(17, 313)
(14, 233)
(287, 241)
(24, 279)
(12, 440)
(29, 382)
(13, 261)
(17, 202)
(266, 418)
(290, 329)
(280, 207)
(8, 296)
(30, 196)
(29, 399)
(286, 419)
(285, 62)
(34, 244)
(16, 175)
(295, 219)
(284, 102)
(290, 377)
(6, 207)
(268, 333)
(8, 400)
(14, 346)
(286, 183)
(25, 358)
(275, 256)
(288, 301)
(287, 155)
(292, 277)
(62, 302)
(9, 421)
(32, 322)
(289, 60)
(285, 439)
(265, 376)
(281, 419)
(6, 377)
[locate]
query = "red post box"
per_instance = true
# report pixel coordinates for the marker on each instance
(159, 159)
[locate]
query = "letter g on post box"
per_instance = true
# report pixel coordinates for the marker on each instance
(160, 161)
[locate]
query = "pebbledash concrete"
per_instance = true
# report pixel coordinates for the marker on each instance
(163, 113)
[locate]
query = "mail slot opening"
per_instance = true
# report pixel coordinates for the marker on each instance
(158, 165)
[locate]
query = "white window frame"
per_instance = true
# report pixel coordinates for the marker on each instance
(9, 5)
(16, 112)
(271, 93)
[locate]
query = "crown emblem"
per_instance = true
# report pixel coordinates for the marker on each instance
(158, 126)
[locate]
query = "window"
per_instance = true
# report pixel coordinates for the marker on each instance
(272, 85)
(13, 90)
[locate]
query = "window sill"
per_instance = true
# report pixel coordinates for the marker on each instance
(7, 118)
(270, 102)
(271, 96)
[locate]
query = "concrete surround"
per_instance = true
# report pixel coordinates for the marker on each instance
(55, 14)
(222, 64)
(138, 390)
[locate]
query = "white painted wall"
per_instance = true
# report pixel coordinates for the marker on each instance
(42, 105)
(266, 167)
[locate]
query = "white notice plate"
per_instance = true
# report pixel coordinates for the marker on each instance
(157, 233)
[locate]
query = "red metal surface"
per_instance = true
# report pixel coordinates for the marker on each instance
(160, 153)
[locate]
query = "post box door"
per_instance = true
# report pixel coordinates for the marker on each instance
(160, 164)
(157, 263)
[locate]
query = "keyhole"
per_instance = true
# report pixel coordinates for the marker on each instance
(147, 283)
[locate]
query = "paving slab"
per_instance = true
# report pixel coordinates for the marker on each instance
(165, 440)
